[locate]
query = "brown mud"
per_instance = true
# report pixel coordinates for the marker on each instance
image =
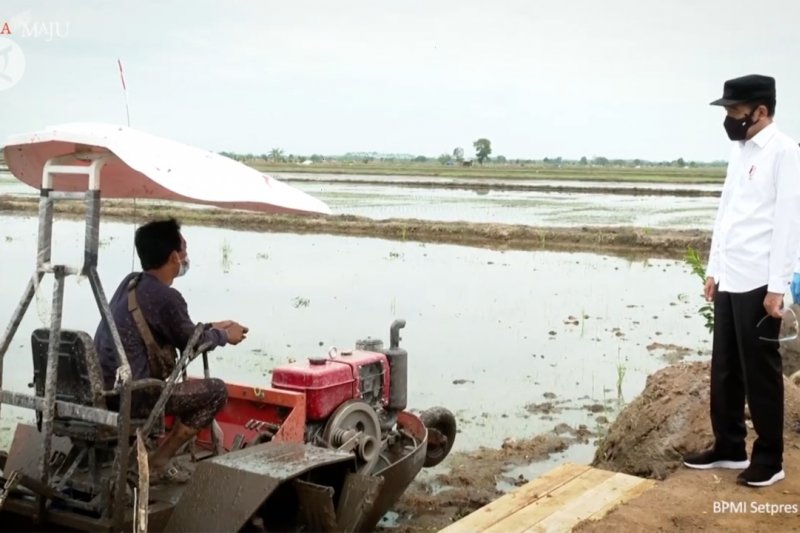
(672, 353)
(667, 420)
(647, 439)
(671, 418)
(790, 351)
(621, 241)
(471, 480)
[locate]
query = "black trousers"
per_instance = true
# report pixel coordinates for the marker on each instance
(743, 366)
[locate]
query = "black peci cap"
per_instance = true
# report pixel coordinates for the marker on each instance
(747, 89)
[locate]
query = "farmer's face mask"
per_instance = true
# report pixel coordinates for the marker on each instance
(184, 268)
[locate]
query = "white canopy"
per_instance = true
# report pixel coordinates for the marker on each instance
(151, 167)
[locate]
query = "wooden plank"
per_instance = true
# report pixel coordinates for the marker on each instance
(598, 499)
(507, 505)
(544, 507)
(642, 487)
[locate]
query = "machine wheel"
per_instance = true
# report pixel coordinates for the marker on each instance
(356, 416)
(441, 424)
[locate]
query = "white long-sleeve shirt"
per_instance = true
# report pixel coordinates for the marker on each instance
(756, 236)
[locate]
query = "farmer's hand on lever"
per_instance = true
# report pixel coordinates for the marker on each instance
(773, 303)
(710, 289)
(236, 333)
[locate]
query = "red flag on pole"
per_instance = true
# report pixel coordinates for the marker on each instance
(121, 74)
(125, 91)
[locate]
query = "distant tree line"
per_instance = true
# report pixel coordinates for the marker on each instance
(276, 155)
(483, 150)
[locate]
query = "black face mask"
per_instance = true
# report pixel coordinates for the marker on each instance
(736, 128)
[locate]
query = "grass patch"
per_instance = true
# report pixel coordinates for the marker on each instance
(226, 256)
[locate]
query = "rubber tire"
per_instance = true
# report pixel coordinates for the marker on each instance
(442, 420)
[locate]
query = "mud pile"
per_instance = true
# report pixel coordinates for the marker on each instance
(670, 418)
(790, 350)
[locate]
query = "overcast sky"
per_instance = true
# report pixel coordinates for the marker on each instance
(614, 78)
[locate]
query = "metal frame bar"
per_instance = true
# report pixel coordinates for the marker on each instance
(49, 405)
(76, 462)
(67, 409)
(215, 441)
(51, 376)
(16, 319)
(51, 380)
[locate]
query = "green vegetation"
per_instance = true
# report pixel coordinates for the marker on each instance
(698, 269)
(483, 149)
(508, 171)
(622, 369)
(454, 165)
(226, 256)
(299, 302)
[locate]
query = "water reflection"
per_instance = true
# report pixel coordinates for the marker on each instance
(535, 208)
(507, 327)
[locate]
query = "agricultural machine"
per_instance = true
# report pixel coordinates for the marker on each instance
(329, 446)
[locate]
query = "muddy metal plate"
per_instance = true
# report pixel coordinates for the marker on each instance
(26, 450)
(225, 491)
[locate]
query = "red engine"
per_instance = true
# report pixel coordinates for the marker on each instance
(353, 398)
(330, 381)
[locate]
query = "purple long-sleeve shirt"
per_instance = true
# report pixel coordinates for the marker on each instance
(166, 313)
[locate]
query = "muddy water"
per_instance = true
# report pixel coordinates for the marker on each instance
(486, 331)
(536, 208)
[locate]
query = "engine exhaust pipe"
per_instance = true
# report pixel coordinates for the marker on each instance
(398, 366)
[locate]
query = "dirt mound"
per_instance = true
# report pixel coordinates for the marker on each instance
(668, 419)
(790, 350)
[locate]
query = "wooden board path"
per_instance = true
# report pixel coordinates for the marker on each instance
(554, 502)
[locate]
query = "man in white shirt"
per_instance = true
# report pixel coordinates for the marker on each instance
(753, 251)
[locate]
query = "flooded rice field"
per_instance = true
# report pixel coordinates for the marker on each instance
(531, 207)
(499, 182)
(513, 342)
(535, 208)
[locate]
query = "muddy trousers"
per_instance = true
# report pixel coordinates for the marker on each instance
(744, 366)
(194, 402)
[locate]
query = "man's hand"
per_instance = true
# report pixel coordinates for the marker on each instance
(710, 289)
(236, 333)
(773, 303)
(225, 324)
